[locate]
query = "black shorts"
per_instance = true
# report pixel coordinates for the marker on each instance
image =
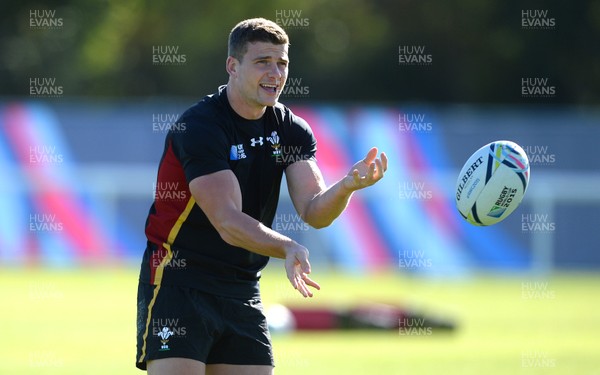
(183, 322)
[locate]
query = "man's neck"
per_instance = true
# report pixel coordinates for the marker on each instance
(240, 106)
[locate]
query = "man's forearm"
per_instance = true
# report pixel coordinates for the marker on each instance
(324, 208)
(241, 230)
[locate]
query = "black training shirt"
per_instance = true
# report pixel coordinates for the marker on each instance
(183, 247)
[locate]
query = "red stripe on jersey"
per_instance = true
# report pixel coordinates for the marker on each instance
(171, 196)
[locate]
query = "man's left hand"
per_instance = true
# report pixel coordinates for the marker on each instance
(367, 171)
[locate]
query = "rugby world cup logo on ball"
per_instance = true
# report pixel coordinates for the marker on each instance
(492, 183)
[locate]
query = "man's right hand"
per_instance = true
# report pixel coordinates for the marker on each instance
(297, 268)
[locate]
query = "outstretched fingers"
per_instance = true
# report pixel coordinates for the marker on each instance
(375, 172)
(380, 169)
(303, 282)
(303, 288)
(371, 155)
(297, 269)
(311, 282)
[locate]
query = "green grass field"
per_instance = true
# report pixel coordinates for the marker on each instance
(83, 322)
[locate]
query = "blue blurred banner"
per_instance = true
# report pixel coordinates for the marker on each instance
(78, 183)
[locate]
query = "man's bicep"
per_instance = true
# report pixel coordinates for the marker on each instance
(304, 181)
(217, 194)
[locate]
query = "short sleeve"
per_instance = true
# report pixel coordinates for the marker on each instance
(201, 145)
(302, 139)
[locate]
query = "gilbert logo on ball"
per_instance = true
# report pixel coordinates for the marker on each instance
(492, 183)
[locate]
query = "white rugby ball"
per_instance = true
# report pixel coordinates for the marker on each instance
(492, 183)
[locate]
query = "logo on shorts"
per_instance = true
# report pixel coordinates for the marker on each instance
(164, 338)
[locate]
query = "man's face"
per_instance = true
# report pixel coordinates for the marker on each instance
(261, 74)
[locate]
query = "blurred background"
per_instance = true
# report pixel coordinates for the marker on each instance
(89, 89)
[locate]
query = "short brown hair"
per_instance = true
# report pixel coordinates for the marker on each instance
(254, 30)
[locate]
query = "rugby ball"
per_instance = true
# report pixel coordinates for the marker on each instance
(492, 183)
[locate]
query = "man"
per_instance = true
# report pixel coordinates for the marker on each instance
(208, 230)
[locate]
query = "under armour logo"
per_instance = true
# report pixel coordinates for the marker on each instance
(255, 141)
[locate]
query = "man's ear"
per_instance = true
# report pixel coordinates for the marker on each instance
(231, 65)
